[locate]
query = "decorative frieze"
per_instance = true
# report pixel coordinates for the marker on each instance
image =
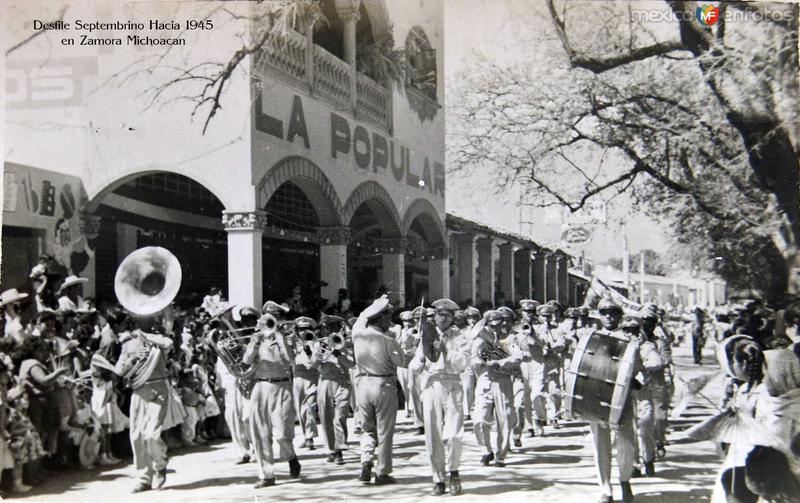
(244, 220)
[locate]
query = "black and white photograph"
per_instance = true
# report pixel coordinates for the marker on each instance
(400, 250)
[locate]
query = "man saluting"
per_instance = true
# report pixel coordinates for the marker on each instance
(377, 355)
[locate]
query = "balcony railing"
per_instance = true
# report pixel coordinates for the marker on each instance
(327, 77)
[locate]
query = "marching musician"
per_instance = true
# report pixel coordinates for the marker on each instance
(525, 331)
(334, 389)
(610, 317)
(272, 413)
(377, 356)
(472, 315)
(408, 342)
(143, 363)
(306, 375)
(237, 395)
(493, 391)
(518, 383)
(443, 397)
(544, 369)
(651, 409)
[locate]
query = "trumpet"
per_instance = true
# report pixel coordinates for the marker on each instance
(333, 342)
(308, 336)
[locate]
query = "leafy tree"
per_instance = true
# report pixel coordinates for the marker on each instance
(697, 123)
(653, 263)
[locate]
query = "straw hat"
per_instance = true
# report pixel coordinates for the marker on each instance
(11, 296)
(72, 280)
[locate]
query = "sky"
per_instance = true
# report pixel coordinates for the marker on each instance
(516, 32)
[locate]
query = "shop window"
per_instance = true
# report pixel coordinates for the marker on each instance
(170, 190)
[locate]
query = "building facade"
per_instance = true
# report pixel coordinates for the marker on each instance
(318, 170)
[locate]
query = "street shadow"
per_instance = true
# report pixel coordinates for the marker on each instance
(545, 460)
(680, 473)
(217, 481)
(548, 448)
(522, 484)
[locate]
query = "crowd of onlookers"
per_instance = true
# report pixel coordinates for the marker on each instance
(62, 405)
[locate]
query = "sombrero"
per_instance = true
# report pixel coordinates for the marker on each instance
(71, 280)
(89, 449)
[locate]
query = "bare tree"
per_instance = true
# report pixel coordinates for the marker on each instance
(694, 122)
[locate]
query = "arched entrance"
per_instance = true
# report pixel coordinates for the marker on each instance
(375, 251)
(425, 245)
(290, 255)
(299, 202)
(168, 210)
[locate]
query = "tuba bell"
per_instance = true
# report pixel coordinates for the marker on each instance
(147, 280)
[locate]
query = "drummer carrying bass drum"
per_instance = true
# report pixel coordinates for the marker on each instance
(610, 317)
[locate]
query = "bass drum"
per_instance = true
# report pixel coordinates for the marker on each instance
(598, 381)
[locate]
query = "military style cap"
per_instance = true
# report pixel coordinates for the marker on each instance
(493, 317)
(406, 316)
(271, 307)
(445, 305)
(430, 312)
(630, 323)
(247, 311)
(583, 311)
(556, 304)
(507, 313)
(545, 310)
(649, 312)
(571, 312)
(418, 311)
(528, 305)
(608, 305)
(305, 322)
(472, 312)
(329, 319)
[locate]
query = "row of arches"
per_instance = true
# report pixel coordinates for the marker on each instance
(300, 202)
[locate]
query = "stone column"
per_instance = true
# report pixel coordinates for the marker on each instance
(486, 269)
(333, 260)
(465, 267)
(244, 256)
(551, 277)
(522, 268)
(562, 294)
(439, 278)
(506, 272)
(539, 276)
(394, 277)
(348, 12)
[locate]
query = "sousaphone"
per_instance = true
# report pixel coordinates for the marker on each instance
(148, 280)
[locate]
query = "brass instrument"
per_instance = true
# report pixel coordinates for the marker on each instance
(333, 342)
(146, 282)
(230, 342)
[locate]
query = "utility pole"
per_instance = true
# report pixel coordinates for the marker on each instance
(626, 270)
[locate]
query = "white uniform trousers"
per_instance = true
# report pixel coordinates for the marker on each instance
(402, 378)
(646, 424)
(235, 408)
(354, 398)
(545, 391)
(625, 440)
(271, 417)
(148, 411)
(494, 400)
(414, 392)
(521, 396)
(443, 414)
(377, 403)
(468, 384)
(304, 392)
(333, 400)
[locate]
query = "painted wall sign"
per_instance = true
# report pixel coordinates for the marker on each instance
(370, 150)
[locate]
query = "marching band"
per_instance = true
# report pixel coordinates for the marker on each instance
(502, 369)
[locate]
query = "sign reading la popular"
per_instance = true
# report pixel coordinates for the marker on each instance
(370, 150)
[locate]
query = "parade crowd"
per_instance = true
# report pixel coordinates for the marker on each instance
(82, 385)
